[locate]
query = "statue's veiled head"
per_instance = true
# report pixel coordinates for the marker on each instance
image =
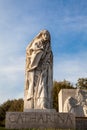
(45, 35)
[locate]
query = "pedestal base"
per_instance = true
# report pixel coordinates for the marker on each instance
(39, 110)
(19, 120)
(81, 123)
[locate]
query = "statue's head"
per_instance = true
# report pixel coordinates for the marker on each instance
(78, 92)
(45, 35)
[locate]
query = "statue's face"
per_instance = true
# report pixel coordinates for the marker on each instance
(45, 36)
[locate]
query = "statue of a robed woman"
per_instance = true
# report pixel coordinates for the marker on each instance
(39, 73)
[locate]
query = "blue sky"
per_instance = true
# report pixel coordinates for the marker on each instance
(21, 21)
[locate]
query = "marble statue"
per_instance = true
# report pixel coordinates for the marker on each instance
(77, 105)
(39, 72)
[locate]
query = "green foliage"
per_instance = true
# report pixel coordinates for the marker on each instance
(82, 83)
(17, 105)
(10, 105)
(3, 108)
(57, 86)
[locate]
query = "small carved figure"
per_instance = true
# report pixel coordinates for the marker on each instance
(77, 105)
(39, 71)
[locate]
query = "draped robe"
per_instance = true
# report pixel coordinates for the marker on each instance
(39, 71)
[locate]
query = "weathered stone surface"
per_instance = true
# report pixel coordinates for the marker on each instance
(39, 73)
(81, 123)
(19, 120)
(39, 110)
(73, 101)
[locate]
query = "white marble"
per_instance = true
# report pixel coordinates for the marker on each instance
(73, 101)
(39, 73)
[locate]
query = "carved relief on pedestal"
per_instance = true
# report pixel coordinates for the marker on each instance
(77, 105)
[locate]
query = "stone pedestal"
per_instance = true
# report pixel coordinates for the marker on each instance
(39, 110)
(39, 119)
(81, 123)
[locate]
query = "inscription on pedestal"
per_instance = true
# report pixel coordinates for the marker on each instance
(39, 120)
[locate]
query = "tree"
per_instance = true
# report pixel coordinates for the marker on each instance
(17, 105)
(57, 86)
(3, 108)
(82, 83)
(10, 105)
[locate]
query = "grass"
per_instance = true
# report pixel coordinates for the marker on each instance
(3, 128)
